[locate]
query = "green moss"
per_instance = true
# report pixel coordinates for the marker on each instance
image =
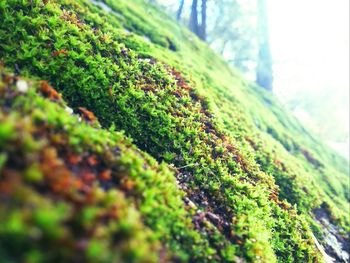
(72, 210)
(249, 170)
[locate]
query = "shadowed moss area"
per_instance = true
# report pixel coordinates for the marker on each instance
(239, 179)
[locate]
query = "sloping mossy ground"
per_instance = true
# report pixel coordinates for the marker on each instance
(239, 177)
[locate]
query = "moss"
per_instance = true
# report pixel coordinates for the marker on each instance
(65, 190)
(228, 152)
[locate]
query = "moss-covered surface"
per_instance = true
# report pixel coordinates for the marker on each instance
(239, 177)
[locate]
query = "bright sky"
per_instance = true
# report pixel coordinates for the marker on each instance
(310, 45)
(312, 34)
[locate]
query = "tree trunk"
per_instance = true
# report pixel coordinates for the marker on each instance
(223, 47)
(264, 76)
(194, 27)
(179, 11)
(203, 28)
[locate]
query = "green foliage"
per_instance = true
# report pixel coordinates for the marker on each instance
(224, 141)
(49, 201)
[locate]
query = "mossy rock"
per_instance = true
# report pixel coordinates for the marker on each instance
(231, 176)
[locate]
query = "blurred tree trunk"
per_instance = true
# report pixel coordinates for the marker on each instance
(264, 76)
(194, 26)
(179, 11)
(203, 27)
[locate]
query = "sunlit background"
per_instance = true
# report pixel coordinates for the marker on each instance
(310, 48)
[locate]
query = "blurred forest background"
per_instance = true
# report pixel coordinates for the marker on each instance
(299, 50)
